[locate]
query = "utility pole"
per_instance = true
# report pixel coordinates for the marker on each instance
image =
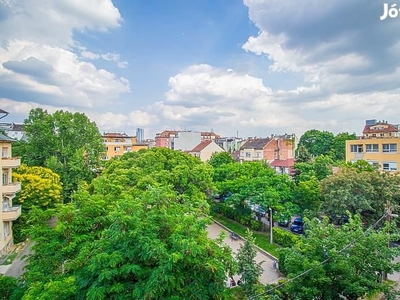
(389, 215)
(271, 224)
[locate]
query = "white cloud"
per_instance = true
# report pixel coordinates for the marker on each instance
(39, 62)
(113, 57)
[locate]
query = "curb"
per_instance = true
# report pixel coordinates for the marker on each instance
(242, 238)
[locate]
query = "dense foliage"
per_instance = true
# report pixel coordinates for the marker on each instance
(67, 143)
(137, 232)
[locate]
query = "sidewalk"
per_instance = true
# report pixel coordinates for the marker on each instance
(269, 275)
(15, 269)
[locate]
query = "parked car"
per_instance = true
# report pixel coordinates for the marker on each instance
(282, 221)
(297, 226)
(338, 219)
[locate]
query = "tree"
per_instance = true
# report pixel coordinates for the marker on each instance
(67, 143)
(338, 147)
(40, 187)
(138, 231)
(248, 268)
(303, 155)
(337, 263)
(316, 142)
(220, 158)
(365, 192)
(308, 194)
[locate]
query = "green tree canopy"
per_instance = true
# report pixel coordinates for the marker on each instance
(316, 142)
(136, 232)
(338, 262)
(67, 143)
(338, 146)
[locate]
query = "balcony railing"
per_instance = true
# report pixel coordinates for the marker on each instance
(10, 162)
(11, 188)
(12, 213)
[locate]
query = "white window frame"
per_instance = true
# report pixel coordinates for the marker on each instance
(389, 166)
(117, 149)
(248, 154)
(372, 148)
(389, 148)
(356, 148)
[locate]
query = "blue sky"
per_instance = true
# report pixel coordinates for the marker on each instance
(254, 66)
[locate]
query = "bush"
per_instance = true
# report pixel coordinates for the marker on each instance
(284, 238)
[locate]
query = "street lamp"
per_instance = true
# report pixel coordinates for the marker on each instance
(271, 223)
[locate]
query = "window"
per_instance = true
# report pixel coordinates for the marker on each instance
(356, 148)
(106, 148)
(116, 141)
(5, 178)
(375, 164)
(382, 134)
(4, 152)
(6, 229)
(389, 148)
(117, 148)
(389, 166)
(248, 154)
(371, 148)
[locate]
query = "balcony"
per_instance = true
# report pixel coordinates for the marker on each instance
(11, 188)
(10, 162)
(12, 213)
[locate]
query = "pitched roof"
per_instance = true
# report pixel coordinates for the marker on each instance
(257, 144)
(4, 138)
(282, 162)
(386, 128)
(166, 133)
(116, 135)
(201, 146)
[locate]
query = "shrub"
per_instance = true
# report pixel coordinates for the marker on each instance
(284, 238)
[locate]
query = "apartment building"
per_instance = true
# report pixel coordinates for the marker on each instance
(116, 144)
(379, 145)
(8, 189)
(182, 140)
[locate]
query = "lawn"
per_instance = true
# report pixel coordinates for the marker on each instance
(261, 238)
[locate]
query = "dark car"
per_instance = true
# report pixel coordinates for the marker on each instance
(297, 226)
(338, 219)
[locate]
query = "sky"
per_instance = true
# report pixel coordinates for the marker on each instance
(236, 67)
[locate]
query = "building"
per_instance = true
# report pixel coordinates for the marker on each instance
(14, 131)
(277, 150)
(140, 135)
(229, 144)
(8, 189)
(379, 145)
(205, 149)
(116, 144)
(182, 140)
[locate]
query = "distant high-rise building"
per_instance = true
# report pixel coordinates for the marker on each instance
(139, 135)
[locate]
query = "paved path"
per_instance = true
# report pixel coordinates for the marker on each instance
(269, 275)
(16, 268)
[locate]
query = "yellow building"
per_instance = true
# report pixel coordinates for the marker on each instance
(379, 145)
(8, 189)
(119, 143)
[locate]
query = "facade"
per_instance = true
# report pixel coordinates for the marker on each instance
(276, 147)
(118, 144)
(379, 146)
(182, 140)
(205, 149)
(140, 135)
(8, 189)
(229, 144)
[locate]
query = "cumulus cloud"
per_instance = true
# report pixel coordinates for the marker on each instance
(40, 61)
(325, 41)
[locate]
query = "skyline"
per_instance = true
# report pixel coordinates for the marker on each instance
(259, 67)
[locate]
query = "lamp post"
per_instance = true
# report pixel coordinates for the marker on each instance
(271, 223)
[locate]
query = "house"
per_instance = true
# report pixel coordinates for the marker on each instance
(205, 149)
(8, 189)
(116, 144)
(14, 131)
(229, 144)
(276, 147)
(182, 140)
(283, 166)
(379, 146)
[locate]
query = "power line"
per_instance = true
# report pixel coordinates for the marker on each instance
(323, 262)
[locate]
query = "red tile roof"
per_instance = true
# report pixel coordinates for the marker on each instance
(201, 146)
(389, 128)
(166, 133)
(282, 162)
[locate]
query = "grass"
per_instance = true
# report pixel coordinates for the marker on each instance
(261, 239)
